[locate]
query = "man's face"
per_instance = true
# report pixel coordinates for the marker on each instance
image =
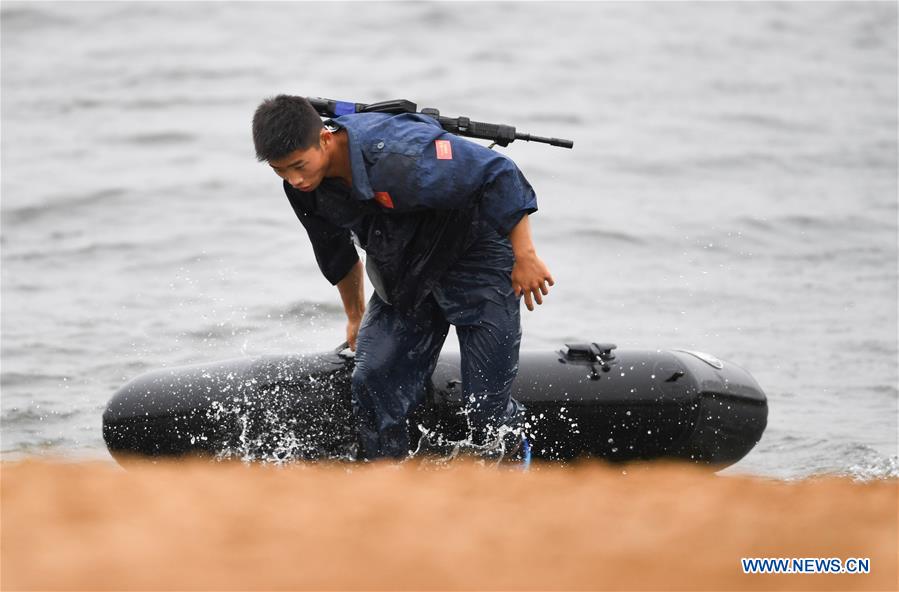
(305, 168)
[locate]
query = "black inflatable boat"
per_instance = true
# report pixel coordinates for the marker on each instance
(584, 400)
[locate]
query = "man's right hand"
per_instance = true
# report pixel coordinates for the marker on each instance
(352, 293)
(352, 332)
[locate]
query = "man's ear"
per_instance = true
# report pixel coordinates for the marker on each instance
(325, 137)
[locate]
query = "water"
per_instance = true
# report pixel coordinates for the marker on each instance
(733, 189)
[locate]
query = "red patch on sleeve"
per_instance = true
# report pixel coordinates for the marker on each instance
(383, 198)
(444, 149)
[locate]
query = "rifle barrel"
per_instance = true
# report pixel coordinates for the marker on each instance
(561, 143)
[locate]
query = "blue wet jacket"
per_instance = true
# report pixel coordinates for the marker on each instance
(419, 195)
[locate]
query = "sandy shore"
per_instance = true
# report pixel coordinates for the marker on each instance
(225, 526)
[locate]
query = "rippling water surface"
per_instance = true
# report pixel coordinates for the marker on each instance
(732, 190)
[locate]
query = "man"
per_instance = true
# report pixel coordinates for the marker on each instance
(444, 223)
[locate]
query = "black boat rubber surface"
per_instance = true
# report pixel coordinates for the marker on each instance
(584, 400)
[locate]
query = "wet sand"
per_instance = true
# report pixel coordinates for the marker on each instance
(226, 526)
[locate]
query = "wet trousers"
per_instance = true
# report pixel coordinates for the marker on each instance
(397, 351)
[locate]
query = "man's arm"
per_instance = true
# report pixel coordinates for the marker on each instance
(529, 274)
(336, 257)
(352, 293)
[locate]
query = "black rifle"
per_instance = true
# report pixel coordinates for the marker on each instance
(461, 126)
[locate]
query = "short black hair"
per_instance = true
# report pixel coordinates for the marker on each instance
(283, 124)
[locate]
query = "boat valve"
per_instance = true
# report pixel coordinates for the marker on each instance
(600, 356)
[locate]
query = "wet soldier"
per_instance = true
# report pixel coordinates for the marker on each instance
(444, 224)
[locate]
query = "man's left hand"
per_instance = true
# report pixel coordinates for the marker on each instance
(530, 277)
